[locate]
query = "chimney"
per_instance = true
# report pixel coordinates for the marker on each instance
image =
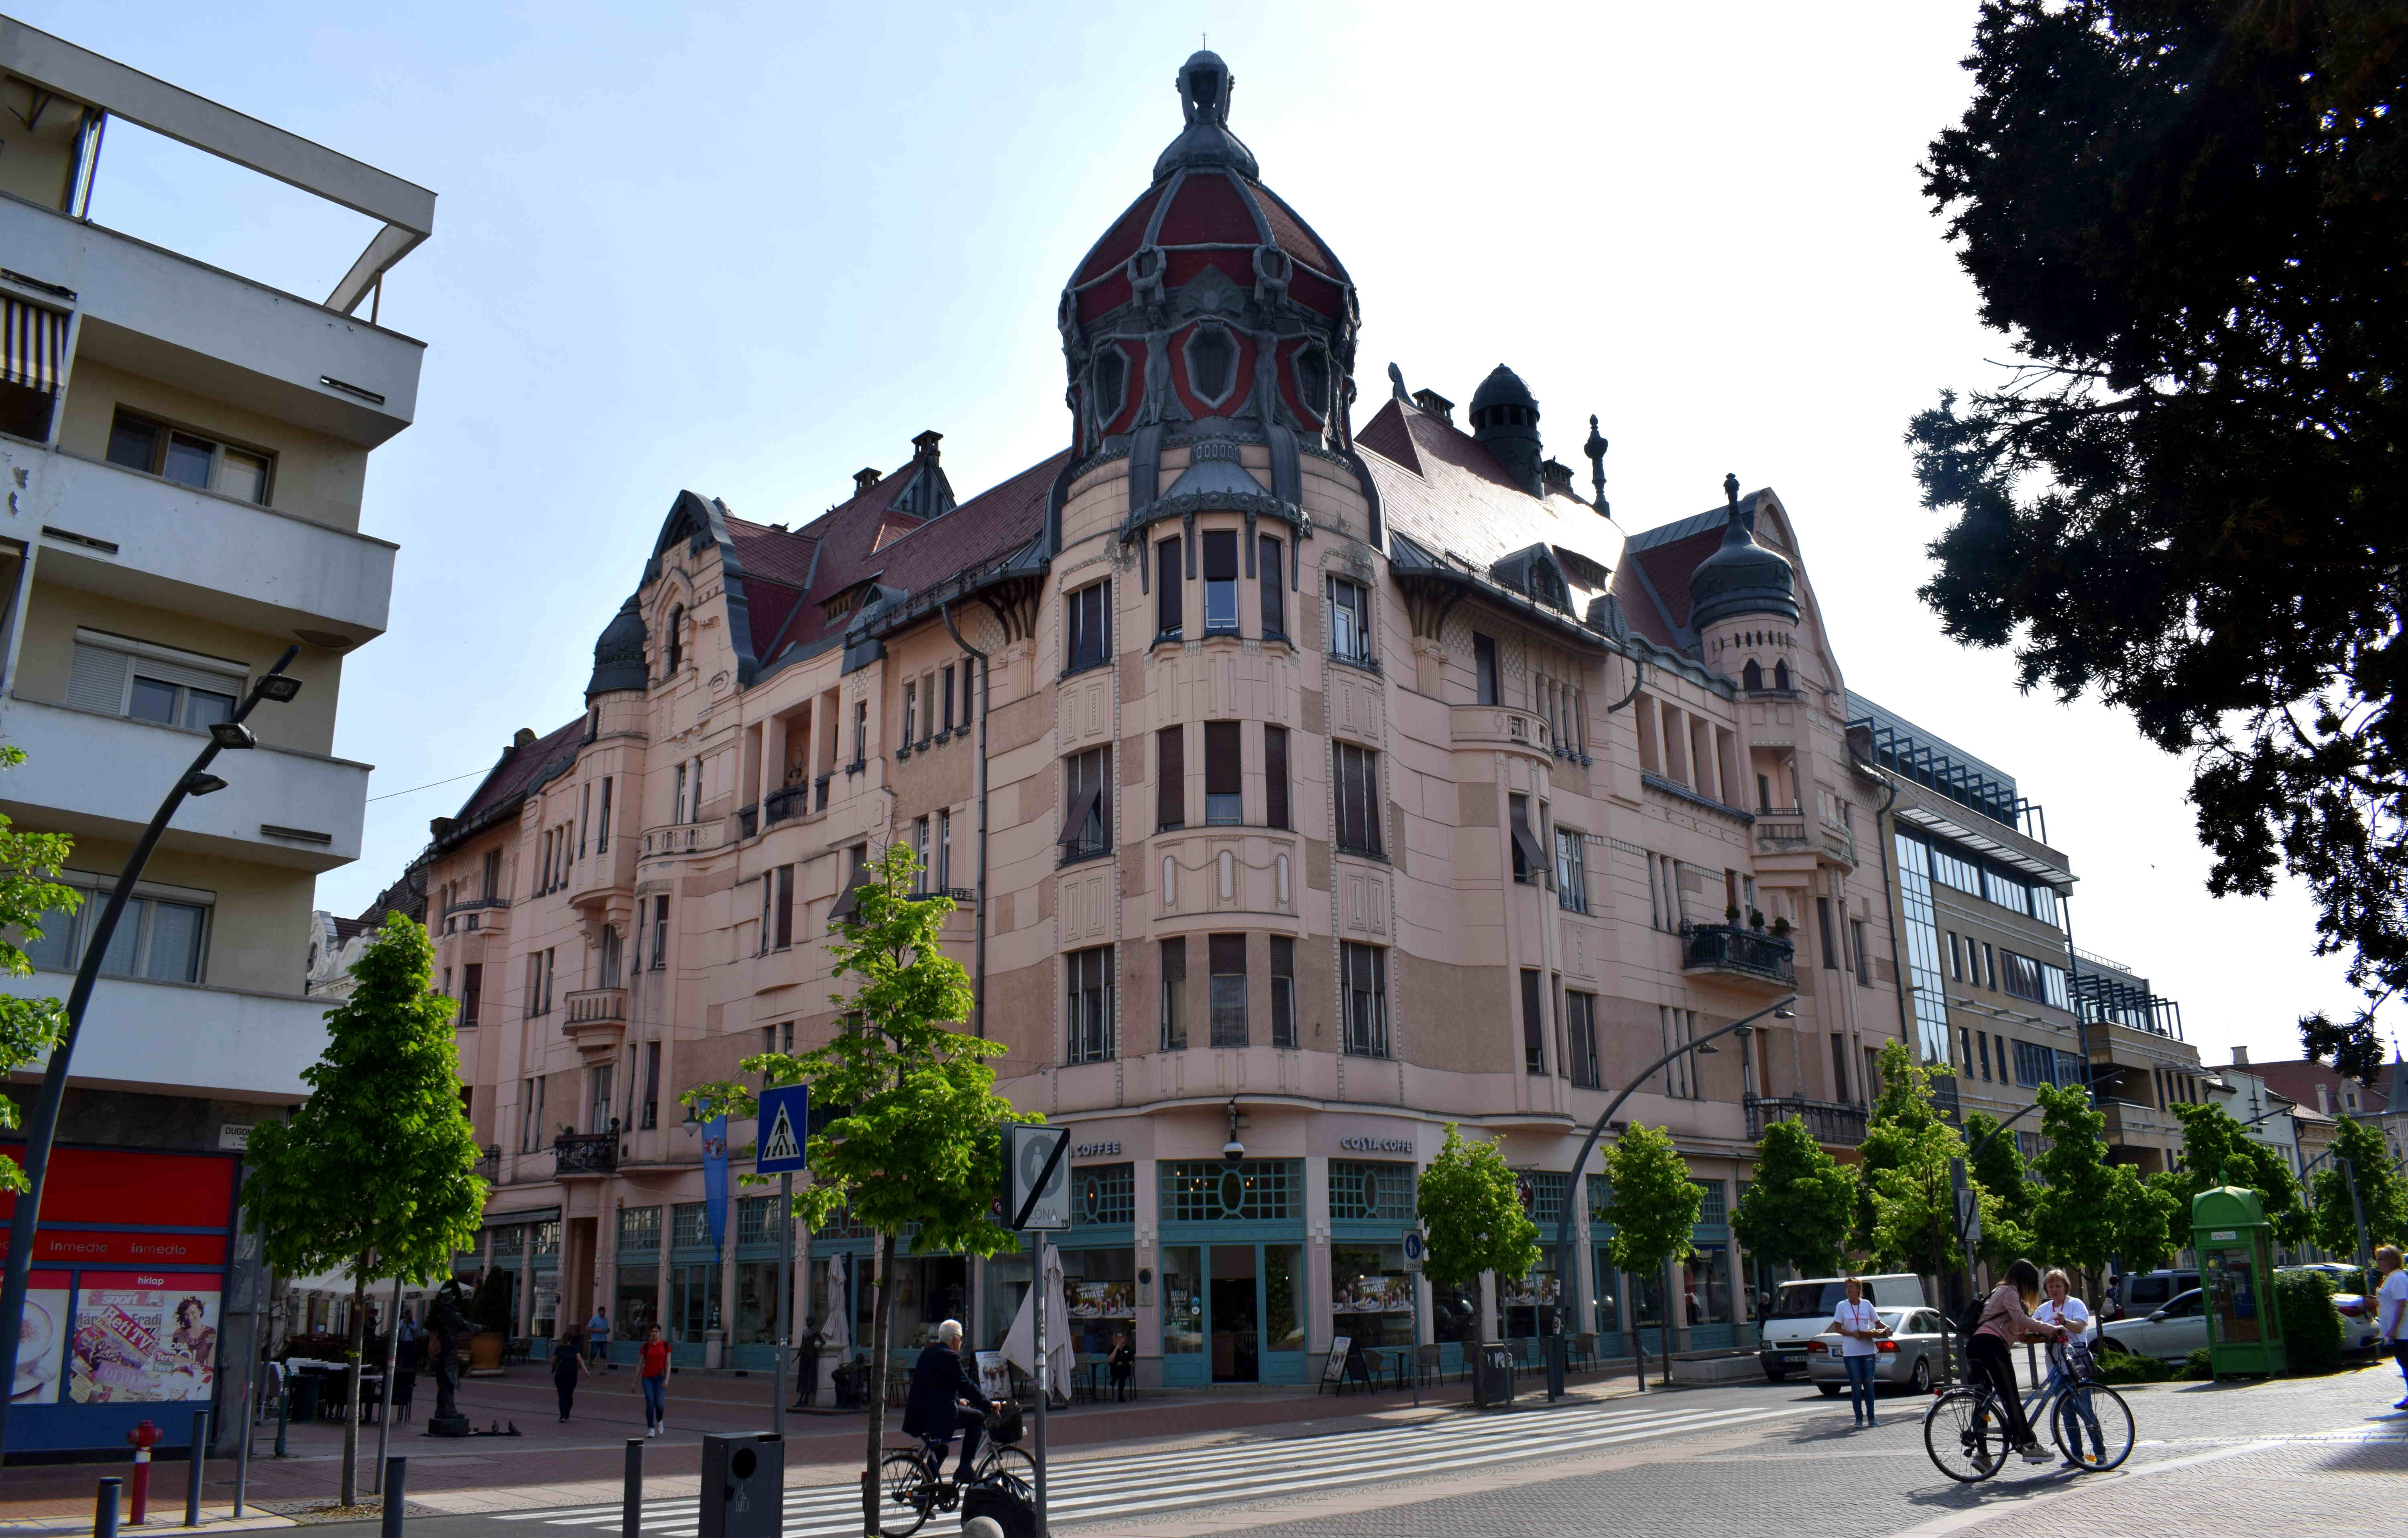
(523, 738)
(1436, 404)
(924, 446)
(866, 478)
(1557, 475)
(2240, 1057)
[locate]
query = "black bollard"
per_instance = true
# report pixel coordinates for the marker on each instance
(631, 1502)
(200, 1463)
(390, 1523)
(103, 1510)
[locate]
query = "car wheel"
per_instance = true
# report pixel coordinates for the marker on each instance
(1830, 1390)
(1774, 1373)
(2117, 1346)
(1921, 1382)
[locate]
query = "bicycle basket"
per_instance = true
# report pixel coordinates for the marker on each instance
(1003, 1422)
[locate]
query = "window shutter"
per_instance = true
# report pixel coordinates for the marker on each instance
(1228, 954)
(1274, 588)
(96, 681)
(1526, 841)
(1171, 783)
(1220, 555)
(1275, 776)
(1222, 766)
(1174, 960)
(1168, 594)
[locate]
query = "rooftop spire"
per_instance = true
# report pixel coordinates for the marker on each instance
(1204, 85)
(1595, 448)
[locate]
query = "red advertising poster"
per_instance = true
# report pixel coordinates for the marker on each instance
(41, 1341)
(155, 1339)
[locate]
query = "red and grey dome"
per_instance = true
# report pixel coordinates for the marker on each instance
(1208, 288)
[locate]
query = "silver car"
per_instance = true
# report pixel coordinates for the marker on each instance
(1908, 1358)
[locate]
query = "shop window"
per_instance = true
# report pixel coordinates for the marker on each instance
(1371, 1295)
(1217, 1191)
(1100, 1294)
(756, 1220)
(1367, 1191)
(690, 1226)
(1103, 1196)
(639, 1230)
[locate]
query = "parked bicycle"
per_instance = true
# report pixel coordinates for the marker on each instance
(914, 1482)
(1965, 1430)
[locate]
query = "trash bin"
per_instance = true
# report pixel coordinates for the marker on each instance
(1492, 1374)
(303, 1390)
(743, 1485)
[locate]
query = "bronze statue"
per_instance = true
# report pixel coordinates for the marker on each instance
(445, 1329)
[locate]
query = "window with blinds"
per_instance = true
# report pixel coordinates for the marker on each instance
(1228, 956)
(1275, 777)
(1174, 990)
(1272, 564)
(119, 676)
(1170, 779)
(158, 939)
(1219, 582)
(1357, 776)
(1224, 775)
(1283, 991)
(1170, 591)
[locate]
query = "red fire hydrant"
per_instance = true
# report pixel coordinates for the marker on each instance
(142, 1436)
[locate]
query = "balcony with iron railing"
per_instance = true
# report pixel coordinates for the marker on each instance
(1726, 950)
(586, 1153)
(1839, 1123)
(488, 1166)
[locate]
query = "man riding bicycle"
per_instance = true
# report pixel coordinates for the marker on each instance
(939, 1385)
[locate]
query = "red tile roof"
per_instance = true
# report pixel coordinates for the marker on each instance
(1444, 491)
(519, 771)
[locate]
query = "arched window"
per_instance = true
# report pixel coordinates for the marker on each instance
(1753, 674)
(677, 638)
(1780, 675)
(1211, 364)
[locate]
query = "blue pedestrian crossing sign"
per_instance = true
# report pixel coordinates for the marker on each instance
(785, 1122)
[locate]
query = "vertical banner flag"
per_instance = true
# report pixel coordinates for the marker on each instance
(714, 1181)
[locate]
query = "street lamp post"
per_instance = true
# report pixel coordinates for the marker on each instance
(1564, 1249)
(276, 684)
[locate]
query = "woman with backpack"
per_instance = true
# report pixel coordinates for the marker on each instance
(2006, 1319)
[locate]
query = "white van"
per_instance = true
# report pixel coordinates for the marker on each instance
(1799, 1310)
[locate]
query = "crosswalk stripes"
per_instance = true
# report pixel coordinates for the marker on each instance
(1096, 1486)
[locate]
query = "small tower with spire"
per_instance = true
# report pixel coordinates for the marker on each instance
(1744, 603)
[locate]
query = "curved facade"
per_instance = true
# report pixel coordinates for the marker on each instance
(1311, 784)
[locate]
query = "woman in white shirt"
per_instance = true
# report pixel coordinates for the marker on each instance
(2064, 1308)
(1859, 1328)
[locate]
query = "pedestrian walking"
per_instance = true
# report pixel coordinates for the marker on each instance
(406, 1354)
(1860, 1332)
(597, 1335)
(2006, 1319)
(1124, 1361)
(2391, 1310)
(652, 1377)
(567, 1366)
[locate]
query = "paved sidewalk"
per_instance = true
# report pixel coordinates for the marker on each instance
(550, 1463)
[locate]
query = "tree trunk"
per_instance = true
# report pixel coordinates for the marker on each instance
(1664, 1341)
(881, 1327)
(352, 1363)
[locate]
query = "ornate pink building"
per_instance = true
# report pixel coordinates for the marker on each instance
(1301, 782)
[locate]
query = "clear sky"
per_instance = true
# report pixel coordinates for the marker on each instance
(748, 249)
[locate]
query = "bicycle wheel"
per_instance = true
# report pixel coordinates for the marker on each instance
(2092, 1426)
(910, 1492)
(1964, 1435)
(1010, 1468)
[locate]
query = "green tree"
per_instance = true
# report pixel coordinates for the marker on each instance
(1797, 1203)
(1470, 1211)
(2218, 1151)
(2152, 1221)
(2381, 1194)
(2186, 216)
(1906, 1205)
(29, 1027)
(374, 1171)
(2088, 1211)
(917, 1137)
(2351, 1045)
(1998, 1167)
(1653, 1210)
(2311, 1324)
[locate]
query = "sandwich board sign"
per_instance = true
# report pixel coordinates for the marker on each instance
(785, 1124)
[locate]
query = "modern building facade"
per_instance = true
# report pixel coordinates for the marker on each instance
(1997, 994)
(185, 454)
(1309, 785)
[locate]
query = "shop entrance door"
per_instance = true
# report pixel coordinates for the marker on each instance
(1235, 1317)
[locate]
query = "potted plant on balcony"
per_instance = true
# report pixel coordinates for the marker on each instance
(1780, 927)
(1755, 919)
(1730, 915)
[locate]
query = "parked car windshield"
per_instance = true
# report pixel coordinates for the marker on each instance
(1807, 1300)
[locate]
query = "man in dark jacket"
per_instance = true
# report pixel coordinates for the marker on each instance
(939, 1382)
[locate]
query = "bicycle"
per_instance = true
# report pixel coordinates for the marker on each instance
(1965, 1430)
(914, 1482)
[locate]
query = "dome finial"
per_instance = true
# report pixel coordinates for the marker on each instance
(1730, 493)
(1595, 448)
(1205, 85)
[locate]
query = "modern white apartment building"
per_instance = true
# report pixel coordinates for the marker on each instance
(183, 463)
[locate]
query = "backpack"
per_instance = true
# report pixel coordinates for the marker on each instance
(1969, 1318)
